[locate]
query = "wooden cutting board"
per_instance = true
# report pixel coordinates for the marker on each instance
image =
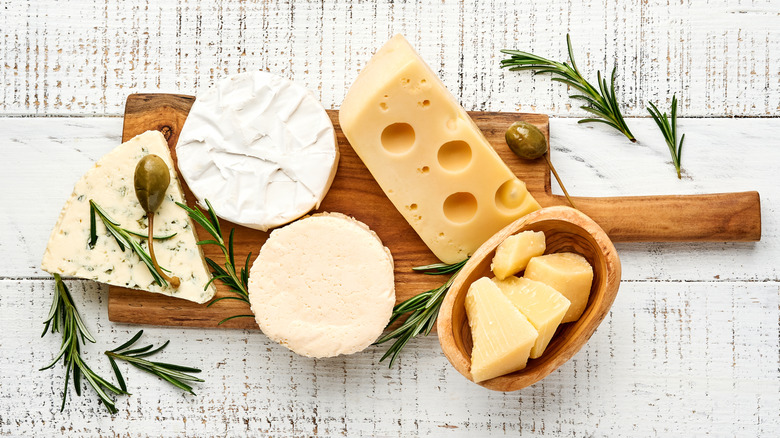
(717, 217)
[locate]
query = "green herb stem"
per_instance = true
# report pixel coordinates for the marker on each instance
(236, 280)
(64, 317)
(423, 309)
(174, 374)
(668, 127)
(602, 102)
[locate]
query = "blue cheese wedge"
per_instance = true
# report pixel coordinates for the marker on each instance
(110, 184)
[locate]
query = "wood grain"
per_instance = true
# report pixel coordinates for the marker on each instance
(672, 358)
(690, 347)
(721, 57)
(566, 230)
(51, 153)
(354, 192)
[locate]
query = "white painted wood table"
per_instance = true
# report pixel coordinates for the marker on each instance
(690, 346)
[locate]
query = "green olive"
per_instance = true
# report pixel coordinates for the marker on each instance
(526, 140)
(152, 178)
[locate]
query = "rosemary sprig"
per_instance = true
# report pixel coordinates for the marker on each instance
(601, 102)
(236, 280)
(423, 310)
(668, 127)
(123, 239)
(175, 374)
(64, 317)
(93, 229)
(146, 236)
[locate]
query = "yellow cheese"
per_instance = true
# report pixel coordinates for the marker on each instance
(502, 336)
(568, 273)
(513, 254)
(542, 305)
(427, 154)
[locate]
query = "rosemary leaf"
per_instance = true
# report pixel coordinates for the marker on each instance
(175, 374)
(234, 317)
(129, 343)
(423, 309)
(236, 281)
(601, 102)
(124, 239)
(668, 127)
(146, 236)
(92, 226)
(117, 374)
(65, 317)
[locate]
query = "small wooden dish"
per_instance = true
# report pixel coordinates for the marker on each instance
(566, 230)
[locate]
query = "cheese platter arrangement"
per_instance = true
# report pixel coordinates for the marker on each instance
(251, 206)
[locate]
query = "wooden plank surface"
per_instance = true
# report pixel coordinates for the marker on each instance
(734, 216)
(673, 358)
(354, 192)
(721, 57)
(689, 348)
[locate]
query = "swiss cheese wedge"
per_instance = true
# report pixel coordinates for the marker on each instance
(427, 154)
(110, 185)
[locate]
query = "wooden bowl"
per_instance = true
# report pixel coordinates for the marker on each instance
(566, 230)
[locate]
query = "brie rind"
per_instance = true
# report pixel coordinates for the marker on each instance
(260, 148)
(110, 184)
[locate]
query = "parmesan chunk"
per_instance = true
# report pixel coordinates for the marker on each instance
(502, 336)
(568, 273)
(513, 254)
(542, 305)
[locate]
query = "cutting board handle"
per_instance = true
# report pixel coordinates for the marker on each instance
(715, 217)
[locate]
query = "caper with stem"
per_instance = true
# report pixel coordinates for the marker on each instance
(529, 143)
(151, 180)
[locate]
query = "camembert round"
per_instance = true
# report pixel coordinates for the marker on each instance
(261, 149)
(323, 286)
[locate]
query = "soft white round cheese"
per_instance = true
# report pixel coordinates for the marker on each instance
(260, 148)
(323, 286)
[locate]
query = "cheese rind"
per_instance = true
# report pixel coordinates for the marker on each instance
(513, 254)
(427, 154)
(542, 305)
(568, 273)
(110, 184)
(501, 335)
(260, 148)
(323, 286)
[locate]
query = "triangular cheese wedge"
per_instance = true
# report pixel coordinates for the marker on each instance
(542, 305)
(110, 185)
(513, 254)
(502, 336)
(568, 273)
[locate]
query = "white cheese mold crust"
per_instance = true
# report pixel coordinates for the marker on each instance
(260, 148)
(110, 184)
(323, 286)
